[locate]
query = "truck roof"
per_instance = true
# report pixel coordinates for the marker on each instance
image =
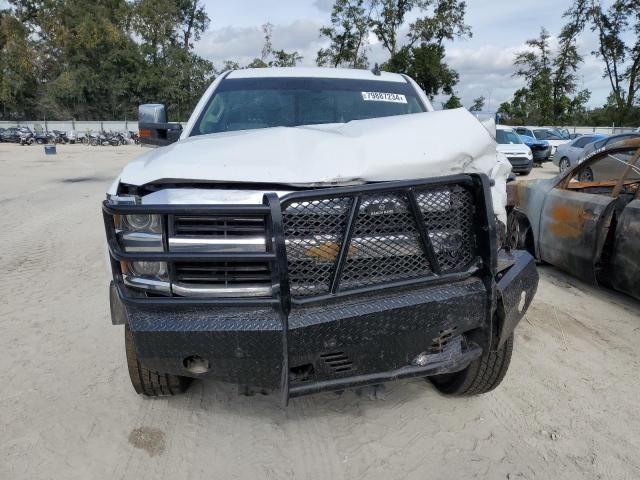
(315, 72)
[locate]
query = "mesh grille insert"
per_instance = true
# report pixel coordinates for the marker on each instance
(314, 232)
(448, 213)
(385, 244)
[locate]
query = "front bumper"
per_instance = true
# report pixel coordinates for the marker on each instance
(541, 155)
(361, 340)
(520, 164)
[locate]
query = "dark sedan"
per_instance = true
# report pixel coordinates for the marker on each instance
(11, 134)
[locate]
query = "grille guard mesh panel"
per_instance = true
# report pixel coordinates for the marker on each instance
(385, 243)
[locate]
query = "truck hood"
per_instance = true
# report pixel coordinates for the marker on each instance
(404, 147)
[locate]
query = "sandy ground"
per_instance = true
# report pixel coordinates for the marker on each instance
(569, 407)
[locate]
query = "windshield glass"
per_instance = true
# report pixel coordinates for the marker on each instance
(244, 104)
(507, 136)
(544, 134)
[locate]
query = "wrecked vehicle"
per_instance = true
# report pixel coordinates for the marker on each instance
(313, 230)
(586, 221)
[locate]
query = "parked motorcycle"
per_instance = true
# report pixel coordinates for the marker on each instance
(41, 138)
(60, 136)
(26, 137)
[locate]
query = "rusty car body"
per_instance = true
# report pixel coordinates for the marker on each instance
(590, 229)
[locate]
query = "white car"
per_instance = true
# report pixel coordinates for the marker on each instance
(512, 147)
(540, 133)
(313, 230)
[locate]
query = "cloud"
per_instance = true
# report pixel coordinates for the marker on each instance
(243, 44)
(323, 5)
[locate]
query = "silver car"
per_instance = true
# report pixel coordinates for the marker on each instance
(570, 154)
(589, 149)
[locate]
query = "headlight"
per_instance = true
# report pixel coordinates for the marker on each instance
(148, 269)
(139, 232)
(150, 276)
(142, 223)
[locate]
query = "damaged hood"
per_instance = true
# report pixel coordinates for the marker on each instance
(403, 147)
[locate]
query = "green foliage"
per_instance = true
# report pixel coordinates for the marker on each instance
(426, 65)
(478, 104)
(350, 20)
(549, 97)
(452, 102)
(618, 31)
(78, 58)
(420, 55)
(269, 57)
(18, 80)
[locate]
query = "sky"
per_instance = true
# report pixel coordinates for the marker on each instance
(484, 62)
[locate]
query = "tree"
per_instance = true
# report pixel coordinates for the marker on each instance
(285, 59)
(426, 65)
(172, 73)
(347, 34)
(534, 65)
(423, 55)
(268, 56)
(453, 102)
(18, 74)
(619, 51)
(478, 104)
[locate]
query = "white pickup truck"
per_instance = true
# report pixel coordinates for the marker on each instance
(313, 230)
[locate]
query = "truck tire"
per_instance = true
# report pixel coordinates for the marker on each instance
(481, 376)
(148, 382)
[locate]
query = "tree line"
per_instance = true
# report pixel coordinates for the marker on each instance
(93, 59)
(87, 60)
(551, 95)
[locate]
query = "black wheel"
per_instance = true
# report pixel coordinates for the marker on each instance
(517, 231)
(148, 382)
(586, 175)
(481, 376)
(564, 164)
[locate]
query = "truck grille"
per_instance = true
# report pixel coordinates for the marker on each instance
(385, 244)
(200, 225)
(219, 234)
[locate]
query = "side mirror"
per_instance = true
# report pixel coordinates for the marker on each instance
(154, 129)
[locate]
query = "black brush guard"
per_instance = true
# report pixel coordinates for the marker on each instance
(174, 322)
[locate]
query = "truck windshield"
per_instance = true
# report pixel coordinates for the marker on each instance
(245, 104)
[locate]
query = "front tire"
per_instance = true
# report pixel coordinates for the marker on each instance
(481, 376)
(564, 164)
(148, 382)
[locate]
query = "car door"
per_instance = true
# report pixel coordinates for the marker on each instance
(625, 259)
(612, 165)
(574, 221)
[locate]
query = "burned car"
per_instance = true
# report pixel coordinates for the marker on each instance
(586, 221)
(313, 230)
